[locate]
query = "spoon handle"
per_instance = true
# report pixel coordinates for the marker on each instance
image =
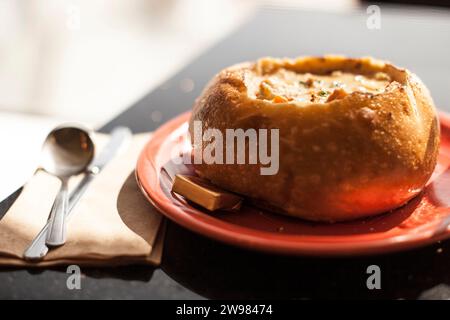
(56, 234)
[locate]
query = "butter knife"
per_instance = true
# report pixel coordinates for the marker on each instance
(38, 249)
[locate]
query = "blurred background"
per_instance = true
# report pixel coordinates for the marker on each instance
(88, 60)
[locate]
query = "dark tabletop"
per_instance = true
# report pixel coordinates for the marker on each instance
(196, 267)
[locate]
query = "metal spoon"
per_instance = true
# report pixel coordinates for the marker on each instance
(67, 151)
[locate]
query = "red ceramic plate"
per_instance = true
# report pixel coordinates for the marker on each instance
(424, 220)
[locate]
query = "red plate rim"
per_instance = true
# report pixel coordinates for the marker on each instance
(147, 177)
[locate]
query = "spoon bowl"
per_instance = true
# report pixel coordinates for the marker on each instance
(68, 150)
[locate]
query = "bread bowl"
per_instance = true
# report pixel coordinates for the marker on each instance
(357, 136)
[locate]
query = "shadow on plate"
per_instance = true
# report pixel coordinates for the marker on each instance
(426, 207)
(219, 271)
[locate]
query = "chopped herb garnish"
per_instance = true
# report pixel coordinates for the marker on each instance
(323, 93)
(303, 83)
(337, 84)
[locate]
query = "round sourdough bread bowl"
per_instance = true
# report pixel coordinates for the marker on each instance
(357, 136)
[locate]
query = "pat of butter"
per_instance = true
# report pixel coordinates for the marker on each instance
(205, 194)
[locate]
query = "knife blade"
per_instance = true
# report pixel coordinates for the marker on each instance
(38, 249)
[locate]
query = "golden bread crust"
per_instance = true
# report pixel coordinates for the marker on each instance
(349, 158)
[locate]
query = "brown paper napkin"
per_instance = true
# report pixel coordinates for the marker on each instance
(112, 224)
